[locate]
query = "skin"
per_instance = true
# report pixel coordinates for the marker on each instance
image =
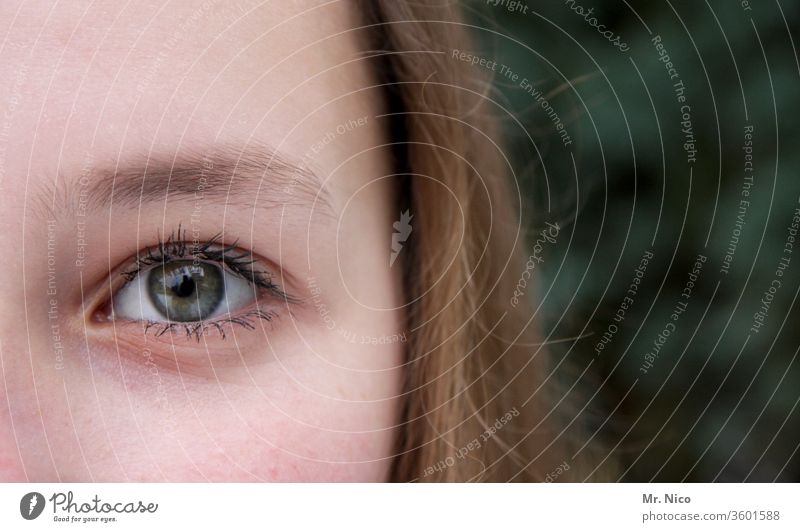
(90, 87)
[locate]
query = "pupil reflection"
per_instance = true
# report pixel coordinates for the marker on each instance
(185, 288)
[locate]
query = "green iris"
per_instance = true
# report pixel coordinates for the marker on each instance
(184, 290)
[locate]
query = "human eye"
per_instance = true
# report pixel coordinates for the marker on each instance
(194, 288)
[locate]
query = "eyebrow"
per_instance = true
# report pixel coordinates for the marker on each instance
(252, 176)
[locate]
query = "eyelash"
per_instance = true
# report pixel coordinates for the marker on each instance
(175, 247)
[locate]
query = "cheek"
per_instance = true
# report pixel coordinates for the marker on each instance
(299, 419)
(238, 433)
(274, 450)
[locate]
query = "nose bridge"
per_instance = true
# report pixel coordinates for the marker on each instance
(29, 416)
(11, 336)
(24, 341)
(11, 464)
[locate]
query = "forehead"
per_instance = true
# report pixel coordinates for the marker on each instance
(110, 33)
(110, 73)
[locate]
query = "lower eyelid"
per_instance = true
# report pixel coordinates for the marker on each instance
(178, 352)
(219, 326)
(182, 357)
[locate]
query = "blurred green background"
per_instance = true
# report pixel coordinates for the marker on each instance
(720, 400)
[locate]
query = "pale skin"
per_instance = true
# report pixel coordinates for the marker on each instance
(101, 93)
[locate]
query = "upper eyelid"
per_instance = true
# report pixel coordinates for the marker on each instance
(177, 248)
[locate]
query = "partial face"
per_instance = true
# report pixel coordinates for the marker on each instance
(197, 228)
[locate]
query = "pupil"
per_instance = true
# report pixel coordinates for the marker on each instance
(185, 288)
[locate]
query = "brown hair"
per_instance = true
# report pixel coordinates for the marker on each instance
(478, 403)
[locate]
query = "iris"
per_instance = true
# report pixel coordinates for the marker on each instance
(186, 290)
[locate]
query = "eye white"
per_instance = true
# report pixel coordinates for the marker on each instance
(133, 302)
